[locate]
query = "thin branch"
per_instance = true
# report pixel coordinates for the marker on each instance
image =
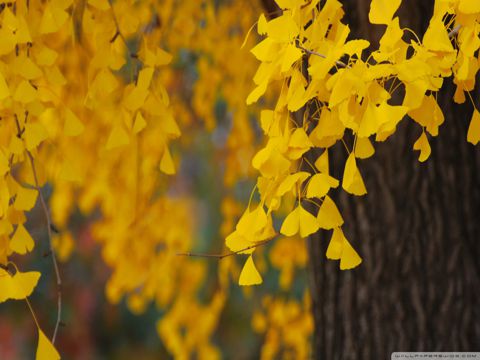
(311, 52)
(454, 31)
(221, 256)
(52, 251)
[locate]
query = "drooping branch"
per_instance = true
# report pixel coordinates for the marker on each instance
(52, 250)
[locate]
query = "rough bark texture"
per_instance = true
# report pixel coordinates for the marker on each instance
(418, 231)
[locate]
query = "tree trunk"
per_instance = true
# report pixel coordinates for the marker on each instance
(417, 230)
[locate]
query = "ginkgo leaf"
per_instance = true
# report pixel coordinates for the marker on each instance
(335, 247)
(118, 137)
(25, 199)
(25, 93)
(139, 123)
(18, 286)
(429, 115)
(262, 25)
(382, 11)
(350, 257)
(299, 221)
(238, 243)
(436, 37)
(322, 163)
(35, 134)
(320, 184)
(473, 134)
(364, 148)
(21, 241)
(328, 216)
(53, 18)
(352, 179)
(45, 349)
(249, 275)
(290, 181)
(423, 145)
(73, 126)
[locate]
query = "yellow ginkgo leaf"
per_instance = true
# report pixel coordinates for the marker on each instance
(473, 134)
(335, 247)
(322, 163)
(139, 123)
(25, 92)
(290, 181)
(249, 274)
(73, 126)
(436, 37)
(429, 115)
(352, 179)
(35, 134)
(364, 148)
(350, 257)
(45, 349)
(25, 199)
(328, 216)
(320, 184)
(118, 137)
(382, 11)
(423, 145)
(299, 221)
(18, 286)
(21, 241)
(53, 18)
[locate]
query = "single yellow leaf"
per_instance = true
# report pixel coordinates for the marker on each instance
(328, 216)
(53, 18)
(73, 126)
(118, 137)
(21, 241)
(335, 247)
(350, 257)
(322, 163)
(364, 148)
(290, 181)
(291, 224)
(429, 115)
(436, 37)
(352, 179)
(320, 184)
(18, 286)
(423, 145)
(473, 134)
(25, 92)
(45, 349)
(35, 134)
(139, 123)
(25, 199)
(382, 11)
(308, 223)
(249, 274)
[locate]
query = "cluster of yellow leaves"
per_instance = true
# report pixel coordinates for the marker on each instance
(287, 326)
(328, 91)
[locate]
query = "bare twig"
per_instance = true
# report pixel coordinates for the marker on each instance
(52, 251)
(311, 52)
(454, 31)
(221, 256)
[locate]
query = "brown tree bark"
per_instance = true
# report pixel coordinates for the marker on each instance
(417, 230)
